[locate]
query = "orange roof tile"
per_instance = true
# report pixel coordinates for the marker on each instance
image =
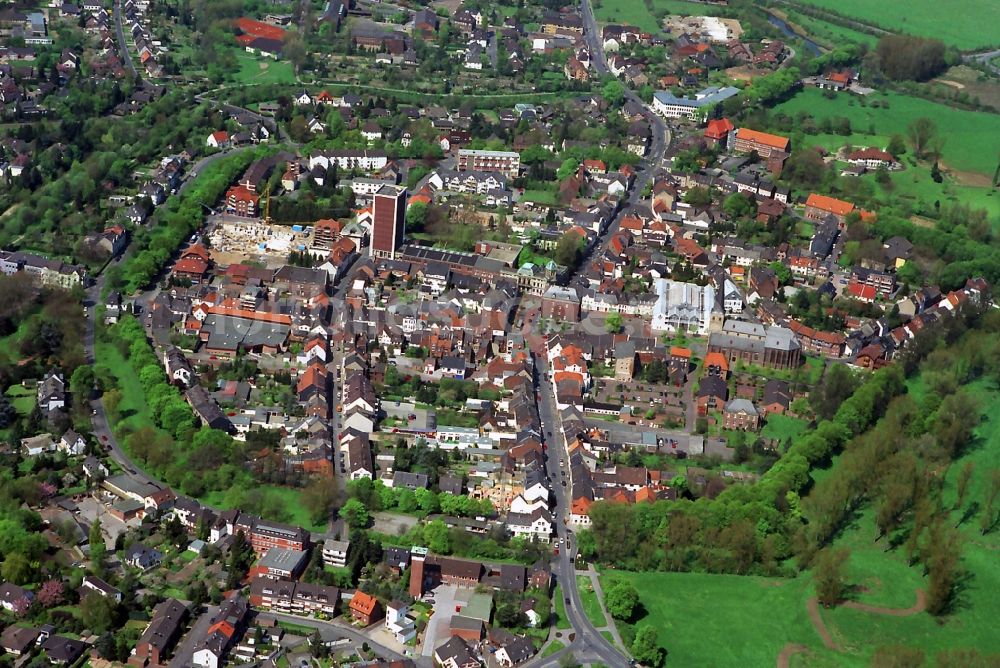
(830, 204)
(765, 138)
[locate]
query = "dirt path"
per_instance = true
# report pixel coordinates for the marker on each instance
(787, 652)
(919, 606)
(820, 625)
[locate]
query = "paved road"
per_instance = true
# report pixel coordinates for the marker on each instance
(588, 646)
(986, 58)
(120, 35)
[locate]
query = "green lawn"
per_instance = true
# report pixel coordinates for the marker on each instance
(591, 606)
(285, 501)
(972, 139)
(829, 34)
(728, 620)
(966, 24)
(635, 12)
(783, 427)
(721, 620)
(23, 398)
(561, 621)
(255, 70)
(553, 647)
(539, 196)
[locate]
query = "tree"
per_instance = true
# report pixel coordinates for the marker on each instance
(828, 574)
(739, 206)
(645, 648)
(613, 92)
(613, 323)
(17, 568)
(962, 483)
(355, 514)
(97, 612)
(508, 616)
(318, 498)
(98, 548)
(416, 217)
(295, 51)
(838, 384)
(437, 538)
(568, 250)
(567, 169)
(698, 196)
(943, 552)
(81, 383)
(805, 168)
(905, 57)
(923, 136)
(621, 600)
(51, 593)
(896, 146)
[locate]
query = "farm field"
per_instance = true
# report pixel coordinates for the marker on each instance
(965, 132)
(705, 619)
(965, 24)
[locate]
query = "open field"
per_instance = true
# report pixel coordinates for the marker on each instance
(284, 500)
(636, 13)
(971, 138)
(961, 23)
(22, 398)
(783, 427)
(263, 70)
(828, 34)
(726, 620)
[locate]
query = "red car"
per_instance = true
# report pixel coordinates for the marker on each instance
(104, 438)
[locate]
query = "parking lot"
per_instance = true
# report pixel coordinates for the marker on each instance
(445, 598)
(91, 509)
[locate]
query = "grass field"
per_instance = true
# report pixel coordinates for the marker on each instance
(263, 70)
(636, 13)
(285, 498)
(23, 398)
(539, 196)
(560, 620)
(591, 606)
(829, 34)
(554, 646)
(134, 411)
(966, 24)
(724, 620)
(972, 139)
(782, 427)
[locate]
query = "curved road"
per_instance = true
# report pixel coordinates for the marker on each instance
(120, 33)
(94, 295)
